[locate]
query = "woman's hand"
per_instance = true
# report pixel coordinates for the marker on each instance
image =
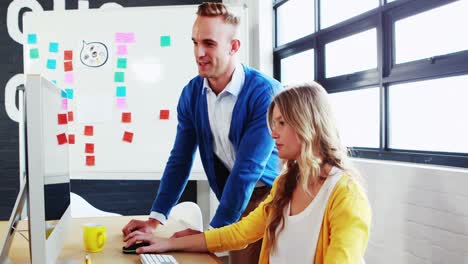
(157, 244)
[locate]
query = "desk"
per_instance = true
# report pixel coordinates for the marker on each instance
(73, 250)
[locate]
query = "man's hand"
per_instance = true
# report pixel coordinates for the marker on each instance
(186, 232)
(148, 227)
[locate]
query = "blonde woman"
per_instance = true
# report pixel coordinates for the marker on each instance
(317, 211)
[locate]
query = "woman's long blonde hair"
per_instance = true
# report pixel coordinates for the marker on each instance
(306, 109)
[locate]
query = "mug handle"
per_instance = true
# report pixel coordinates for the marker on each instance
(101, 239)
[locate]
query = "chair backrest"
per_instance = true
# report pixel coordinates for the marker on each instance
(188, 213)
(81, 208)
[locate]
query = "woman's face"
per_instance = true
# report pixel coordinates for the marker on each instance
(286, 139)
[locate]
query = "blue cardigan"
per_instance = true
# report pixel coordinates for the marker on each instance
(256, 155)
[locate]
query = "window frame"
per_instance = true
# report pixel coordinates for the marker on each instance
(383, 19)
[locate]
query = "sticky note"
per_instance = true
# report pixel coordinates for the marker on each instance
(119, 77)
(69, 93)
(165, 41)
(128, 137)
(126, 117)
(69, 77)
(62, 119)
(121, 91)
(124, 37)
(62, 139)
(64, 104)
(70, 116)
(121, 102)
(68, 66)
(53, 47)
(64, 94)
(67, 55)
(90, 161)
(122, 50)
(34, 53)
(71, 138)
(89, 148)
(163, 114)
(54, 81)
(88, 130)
(122, 63)
(32, 39)
(51, 64)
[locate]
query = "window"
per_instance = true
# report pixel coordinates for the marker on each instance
(430, 115)
(357, 117)
(298, 68)
(433, 36)
(334, 11)
(351, 54)
(391, 101)
(295, 19)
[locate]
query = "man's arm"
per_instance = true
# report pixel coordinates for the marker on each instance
(179, 164)
(175, 174)
(252, 156)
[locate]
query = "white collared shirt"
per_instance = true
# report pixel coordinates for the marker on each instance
(220, 109)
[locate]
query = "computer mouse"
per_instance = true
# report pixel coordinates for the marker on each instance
(132, 249)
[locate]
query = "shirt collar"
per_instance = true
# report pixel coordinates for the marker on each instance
(234, 86)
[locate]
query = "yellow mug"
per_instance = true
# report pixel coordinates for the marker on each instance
(94, 237)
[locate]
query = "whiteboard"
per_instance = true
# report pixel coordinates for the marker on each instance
(125, 60)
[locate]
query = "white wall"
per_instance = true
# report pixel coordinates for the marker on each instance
(420, 212)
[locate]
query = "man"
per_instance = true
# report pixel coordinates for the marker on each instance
(223, 112)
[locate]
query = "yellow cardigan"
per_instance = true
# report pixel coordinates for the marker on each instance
(342, 239)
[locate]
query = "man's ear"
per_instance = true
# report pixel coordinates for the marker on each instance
(235, 45)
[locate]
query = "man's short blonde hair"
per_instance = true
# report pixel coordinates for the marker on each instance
(209, 9)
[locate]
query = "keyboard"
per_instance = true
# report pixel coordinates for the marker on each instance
(157, 259)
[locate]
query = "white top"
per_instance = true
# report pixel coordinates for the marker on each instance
(298, 240)
(220, 113)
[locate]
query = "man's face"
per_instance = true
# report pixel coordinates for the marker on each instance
(212, 46)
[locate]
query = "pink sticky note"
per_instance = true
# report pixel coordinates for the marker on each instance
(121, 102)
(121, 50)
(124, 37)
(69, 77)
(64, 104)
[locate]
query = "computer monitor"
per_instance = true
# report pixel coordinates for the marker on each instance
(47, 184)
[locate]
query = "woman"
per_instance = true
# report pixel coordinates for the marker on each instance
(317, 212)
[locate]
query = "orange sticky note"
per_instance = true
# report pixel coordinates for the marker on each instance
(89, 148)
(90, 161)
(71, 138)
(128, 137)
(70, 116)
(67, 55)
(62, 139)
(164, 114)
(126, 117)
(88, 130)
(68, 66)
(62, 119)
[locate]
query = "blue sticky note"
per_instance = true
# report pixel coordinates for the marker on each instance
(34, 53)
(32, 39)
(53, 47)
(165, 41)
(121, 91)
(51, 64)
(119, 77)
(122, 63)
(64, 94)
(69, 93)
(54, 81)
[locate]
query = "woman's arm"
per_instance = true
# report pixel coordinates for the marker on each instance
(193, 243)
